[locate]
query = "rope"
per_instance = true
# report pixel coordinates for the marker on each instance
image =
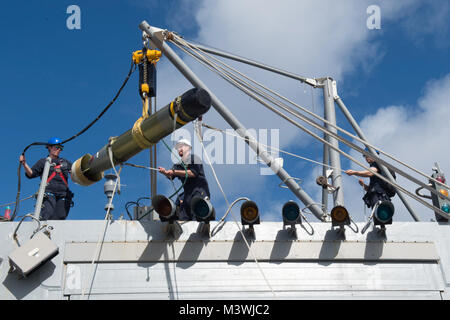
(178, 157)
(229, 210)
(289, 153)
(282, 151)
(184, 166)
(107, 217)
(150, 168)
(240, 85)
(302, 79)
(215, 177)
(273, 148)
(136, 131)
(153, 153)
(209, 161)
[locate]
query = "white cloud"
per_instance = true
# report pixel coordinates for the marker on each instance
(310, 38)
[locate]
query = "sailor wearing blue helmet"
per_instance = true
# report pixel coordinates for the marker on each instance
(58, 198)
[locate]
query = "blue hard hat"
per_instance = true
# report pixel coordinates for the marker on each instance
(54, 141)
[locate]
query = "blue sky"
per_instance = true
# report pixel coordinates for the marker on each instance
(55, 81)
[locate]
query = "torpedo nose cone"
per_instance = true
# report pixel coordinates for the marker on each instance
(195, 102)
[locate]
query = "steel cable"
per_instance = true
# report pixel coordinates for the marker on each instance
(302, 117)
(238, 84)
(229, 210)
(315, 115)
(16, 207)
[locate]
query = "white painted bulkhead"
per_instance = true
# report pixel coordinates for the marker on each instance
(138, 261)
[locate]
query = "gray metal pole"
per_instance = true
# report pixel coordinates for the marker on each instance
(43, 185)
(231, 56)
(359, 132)
(232, 120)
(335, 160)
(326, 160)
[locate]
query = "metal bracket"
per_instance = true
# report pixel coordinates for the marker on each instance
(334, 90)
(311, 82)
(158, 33)
(282, 182)
(204, 229)
(173, 230)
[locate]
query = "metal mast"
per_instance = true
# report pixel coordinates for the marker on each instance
(335, 160)
(156, 37)
(316, 83)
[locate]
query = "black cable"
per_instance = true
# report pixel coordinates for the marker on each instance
(127, 205)
(107, 107)
(69, 139)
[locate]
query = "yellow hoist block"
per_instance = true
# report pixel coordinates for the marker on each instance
(145, 88)
(152, 56)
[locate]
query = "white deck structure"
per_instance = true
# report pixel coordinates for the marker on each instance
(138, 261)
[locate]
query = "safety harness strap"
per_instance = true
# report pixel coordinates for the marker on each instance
(136, 131)
(57, 169)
